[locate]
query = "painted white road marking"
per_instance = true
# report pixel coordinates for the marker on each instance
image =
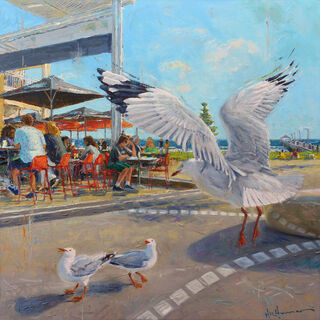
(209, 278)
(194, 212)
(260, 257)
(292, 226)
(173, 211)
(213, 213)
(232, 214)
(163, 308)
(275, 215)
(225, 270)
(179, 296)
(147, 316)
(283, 221)
(244, 262)
(309, 245)
(293, 248)
(301, 230)
(278, 252)
(195, 286)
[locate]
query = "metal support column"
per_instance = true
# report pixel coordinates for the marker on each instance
(116, 63)
(1, 101)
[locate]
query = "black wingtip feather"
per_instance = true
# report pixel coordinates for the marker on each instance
(101, 71)
(287, 83)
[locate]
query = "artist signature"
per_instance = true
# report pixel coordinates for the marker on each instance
(277, 313)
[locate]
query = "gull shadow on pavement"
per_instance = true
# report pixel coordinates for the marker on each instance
(221, 247)
(34, 306)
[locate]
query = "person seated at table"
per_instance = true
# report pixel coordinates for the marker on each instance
(68, 145)
(135, 140)
(91, 147)
(150, 146)
(54, 146)
(104, 147)
(119, 153)
(7, 134)
(100, 142)
(31, 143)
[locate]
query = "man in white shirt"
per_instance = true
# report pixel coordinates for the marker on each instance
(31, 143)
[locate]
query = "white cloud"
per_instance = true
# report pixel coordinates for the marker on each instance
(186, 31)
(216, 55)
(181, 66)
(176, 65)
(183, 88)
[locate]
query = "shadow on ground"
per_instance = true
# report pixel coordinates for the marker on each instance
(221, 247)
(34, 306)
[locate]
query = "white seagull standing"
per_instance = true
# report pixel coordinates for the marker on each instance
(243, 176)
(79, 269)
(136, 261)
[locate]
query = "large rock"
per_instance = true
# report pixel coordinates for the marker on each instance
(298, 216)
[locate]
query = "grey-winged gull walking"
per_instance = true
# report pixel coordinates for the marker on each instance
(243, 176)
(137, 260)
(79, 269)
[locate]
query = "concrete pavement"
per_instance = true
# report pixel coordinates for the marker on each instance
(190, 280)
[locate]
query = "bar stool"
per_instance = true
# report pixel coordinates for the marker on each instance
(63, 168)
(39, 163)
(87, 166)
(93, 170)
(107, 172)
(162, 165)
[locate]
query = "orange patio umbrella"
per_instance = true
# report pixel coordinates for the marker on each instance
(104, 124)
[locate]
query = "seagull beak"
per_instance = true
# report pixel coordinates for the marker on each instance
(146, 241)
(62, 250)
(175, 173)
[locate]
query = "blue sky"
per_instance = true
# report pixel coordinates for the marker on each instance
(206, 50)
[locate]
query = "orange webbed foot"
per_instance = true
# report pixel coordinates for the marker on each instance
(142, 277)
(76, 299)
(68, 292)
(242, 240)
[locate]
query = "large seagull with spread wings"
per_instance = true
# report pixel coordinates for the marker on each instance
(242, 176)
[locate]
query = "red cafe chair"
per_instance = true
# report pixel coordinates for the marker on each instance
(162, 165)
(39, 163)
(64, 168)
(108, 172)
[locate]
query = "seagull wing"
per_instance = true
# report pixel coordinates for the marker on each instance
(243, 117)
(84, 265)
(161, 113)
(132, 259)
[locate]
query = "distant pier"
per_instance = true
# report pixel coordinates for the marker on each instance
(299, 145)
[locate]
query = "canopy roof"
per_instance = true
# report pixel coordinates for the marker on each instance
(51, 90)
(83, 114)
(57, 9)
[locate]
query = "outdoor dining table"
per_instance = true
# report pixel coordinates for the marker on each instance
(152, 154)
(10, 153)
(141, 161)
